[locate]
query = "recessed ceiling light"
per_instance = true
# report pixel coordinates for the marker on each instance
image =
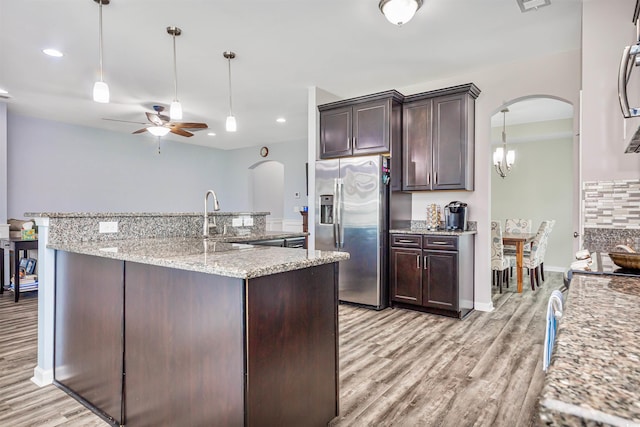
(281, 120)
(211, 134)
(52, 52)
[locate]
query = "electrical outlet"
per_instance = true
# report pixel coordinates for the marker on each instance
(108, 227)
(236, 222)
(296, 195)
(248, 221)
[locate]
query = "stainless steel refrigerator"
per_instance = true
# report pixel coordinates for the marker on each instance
(351, 215)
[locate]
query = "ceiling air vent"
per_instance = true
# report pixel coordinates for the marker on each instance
(527, 5)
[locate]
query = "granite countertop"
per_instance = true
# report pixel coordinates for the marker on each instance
(267, 235)
(206, 256)
(427, 231)
(594, 377)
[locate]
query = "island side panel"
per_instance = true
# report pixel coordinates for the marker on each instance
(292, 350)
(88, 330)
(184, 348)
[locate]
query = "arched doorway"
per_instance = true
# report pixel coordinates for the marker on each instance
(267, 191)
(543, 182)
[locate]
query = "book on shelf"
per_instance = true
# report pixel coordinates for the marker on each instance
(26, 279)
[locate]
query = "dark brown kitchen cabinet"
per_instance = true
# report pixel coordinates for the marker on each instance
(432, 273)
(406, 275)
(359, 126)
(89, 331)
(438, 139)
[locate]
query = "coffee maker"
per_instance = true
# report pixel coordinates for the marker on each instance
(455, 215)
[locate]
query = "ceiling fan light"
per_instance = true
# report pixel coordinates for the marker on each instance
(158, 130)
(101, 92)
(399, 12)
(175, 111)
(231, 125)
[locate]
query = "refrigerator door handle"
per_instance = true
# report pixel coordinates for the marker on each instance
(334, 213)
(340, 212)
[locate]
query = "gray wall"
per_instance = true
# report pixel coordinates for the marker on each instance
(607, 29)
(3, 163)
(57, 167)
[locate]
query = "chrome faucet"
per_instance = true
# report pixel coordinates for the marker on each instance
(216, 207)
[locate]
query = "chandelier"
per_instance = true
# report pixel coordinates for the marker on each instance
(503, 159)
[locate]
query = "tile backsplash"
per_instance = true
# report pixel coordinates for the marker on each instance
(611, 204)
(611, 214)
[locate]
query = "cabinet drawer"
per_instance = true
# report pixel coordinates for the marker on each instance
(406, 240)
(440, 242)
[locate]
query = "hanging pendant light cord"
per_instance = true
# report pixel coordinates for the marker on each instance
(100, 36)
(175, 69)
(230, 105)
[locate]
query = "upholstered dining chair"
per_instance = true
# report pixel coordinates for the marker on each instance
(534, 257)
(499, 263)
(518, 226)
(543, 246)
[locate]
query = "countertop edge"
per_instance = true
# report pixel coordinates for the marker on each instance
(133, 214)
(435, 232)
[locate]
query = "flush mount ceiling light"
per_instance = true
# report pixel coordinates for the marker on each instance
(281, 120)
(502, 159)
(175, 111)
(100, 88)
(52, 52)
(399, 12)
(3, 92)
(528, 5)
(230, 125)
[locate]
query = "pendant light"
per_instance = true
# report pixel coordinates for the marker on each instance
(175, 111)
(100, 88)
(399, 12)
(502, 159)
(230, 125)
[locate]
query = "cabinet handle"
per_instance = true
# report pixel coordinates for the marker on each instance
(418, 262)
(436, 180)
(404, 241)
(428, 178)
(426, 261)
(439, 243)
(354, 142)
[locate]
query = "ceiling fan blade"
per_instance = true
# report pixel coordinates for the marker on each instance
(187, 125)
(140, 130)
(181, 132)
(155, 119)
(124, 121)
(164, 118)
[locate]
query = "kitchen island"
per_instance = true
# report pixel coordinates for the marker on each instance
(594, 377)
(163, 327)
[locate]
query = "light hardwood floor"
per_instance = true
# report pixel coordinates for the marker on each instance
(397, 367)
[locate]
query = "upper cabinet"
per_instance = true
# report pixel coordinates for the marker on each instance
(438, 139)
(365, 125)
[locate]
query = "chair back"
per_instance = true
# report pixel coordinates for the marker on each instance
(497, 247)
(545, 239)
(518, 226)
(538, 246)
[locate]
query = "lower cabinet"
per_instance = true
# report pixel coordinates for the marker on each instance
(432, 273)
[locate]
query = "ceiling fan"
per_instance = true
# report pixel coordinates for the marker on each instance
(162, 120)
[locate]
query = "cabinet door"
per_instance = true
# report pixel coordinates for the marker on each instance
(440, 280)
(88, 355)
(450, 142)
(406, 275)
(371, 124)
(416, 146)
(335, 132)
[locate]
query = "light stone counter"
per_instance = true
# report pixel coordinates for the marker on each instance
(434, 232)
(594, 377)
(206, 256)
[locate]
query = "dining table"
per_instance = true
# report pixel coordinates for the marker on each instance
(518, 240)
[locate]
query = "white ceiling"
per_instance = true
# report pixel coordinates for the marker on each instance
(283, 47)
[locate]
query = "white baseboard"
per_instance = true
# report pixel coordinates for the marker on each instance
(41, 377)
(482, 306)
(555, 269)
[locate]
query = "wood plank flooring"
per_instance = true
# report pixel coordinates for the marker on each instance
(397, 367)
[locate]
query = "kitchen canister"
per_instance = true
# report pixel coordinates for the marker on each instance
(433, 216)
